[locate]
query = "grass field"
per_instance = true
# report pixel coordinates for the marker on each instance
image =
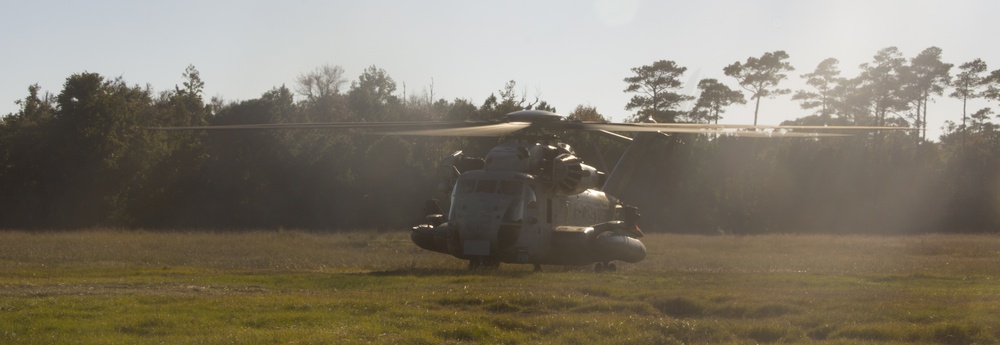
(127, 287)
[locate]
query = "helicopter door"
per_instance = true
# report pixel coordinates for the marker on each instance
(556, 211)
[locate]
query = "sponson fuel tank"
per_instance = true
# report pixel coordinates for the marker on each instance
(577, 245)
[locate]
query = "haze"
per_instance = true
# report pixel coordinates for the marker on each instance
(564, 52)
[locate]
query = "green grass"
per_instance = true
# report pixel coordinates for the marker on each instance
(127, 287)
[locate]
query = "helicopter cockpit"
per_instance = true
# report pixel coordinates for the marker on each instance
(489, 208)
(511, 191)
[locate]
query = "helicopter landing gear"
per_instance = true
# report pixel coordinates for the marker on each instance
(483, 262)
(605, 267)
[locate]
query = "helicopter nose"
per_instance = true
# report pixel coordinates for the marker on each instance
(479, 238)
(478, 221)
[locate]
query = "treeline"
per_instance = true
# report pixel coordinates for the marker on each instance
(85, 157)
(831, 185)
(877, 182)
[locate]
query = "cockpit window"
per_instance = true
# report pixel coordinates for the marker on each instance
(511, 196)
(504, 187)
(512, 188)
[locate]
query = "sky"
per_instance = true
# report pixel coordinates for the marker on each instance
(567, 53)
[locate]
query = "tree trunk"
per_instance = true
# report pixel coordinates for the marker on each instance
(755, 110)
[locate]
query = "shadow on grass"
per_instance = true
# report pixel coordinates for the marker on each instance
(436, 272)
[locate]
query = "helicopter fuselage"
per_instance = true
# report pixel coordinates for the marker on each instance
(531, 204)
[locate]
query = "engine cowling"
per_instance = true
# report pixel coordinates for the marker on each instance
(571, 176)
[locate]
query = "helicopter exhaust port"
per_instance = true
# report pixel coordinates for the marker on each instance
(571, 176)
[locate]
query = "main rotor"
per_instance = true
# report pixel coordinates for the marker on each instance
(541, 124)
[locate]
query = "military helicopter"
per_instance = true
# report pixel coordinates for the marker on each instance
(531, 200)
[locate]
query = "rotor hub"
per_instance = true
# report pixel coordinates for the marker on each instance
(534, 116)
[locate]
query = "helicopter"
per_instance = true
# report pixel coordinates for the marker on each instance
(532, 200)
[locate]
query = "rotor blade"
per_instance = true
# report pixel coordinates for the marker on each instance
(862, 128)
(494, 130)
(635, 127)
(779, 134)
(615, 136)
(630, 127)
(337, 125)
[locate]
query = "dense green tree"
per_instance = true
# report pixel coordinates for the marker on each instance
(586, 113)
(970, 174)
(980, 121)
(84, 158)
(760, 76)
(103, 151)
(462, 110)
(824, 79)
(883, 77)
(853, 102)
(926, 76)
(993, 86)
(654, 87)
(882, 82)
(34, 109)
(27, 161)
(251, 170)
(372, 96)
(193, 85)
(713, 100)
(495, 108)
(543, 105)
(168, 198)
(969, 83)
